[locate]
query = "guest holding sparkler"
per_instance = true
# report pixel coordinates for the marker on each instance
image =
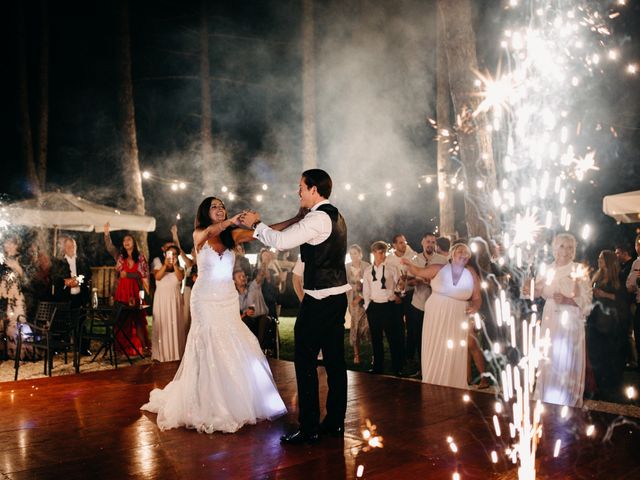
(133, 272)
(566, 289)
(359, 330)
(71, 278)
(455, 294)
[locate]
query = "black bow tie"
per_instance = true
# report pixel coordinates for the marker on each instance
(382, 279)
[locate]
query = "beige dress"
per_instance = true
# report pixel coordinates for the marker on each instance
(169, 332)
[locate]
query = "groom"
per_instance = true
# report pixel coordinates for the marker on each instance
(322, 237)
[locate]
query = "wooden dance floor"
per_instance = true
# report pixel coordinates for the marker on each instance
(89, 426)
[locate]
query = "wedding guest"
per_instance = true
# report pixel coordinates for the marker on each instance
(623, 254)
(401, 249)
(422, 291)
(133, 272)
(633, 286)
(297, 279)
(443, 244)
(37, 272)
(242, 262)
(606, 328)
(187, 284)
(11, 292)
(567, 291)
(169, 333)
(380, 301)
(71, 279)
(455, 295)
(271, 282)
(478, 340)
(253, 309)
(359, 331)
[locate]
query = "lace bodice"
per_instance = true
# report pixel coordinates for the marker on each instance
(215, 274)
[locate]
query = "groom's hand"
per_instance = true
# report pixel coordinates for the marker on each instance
(250, 218)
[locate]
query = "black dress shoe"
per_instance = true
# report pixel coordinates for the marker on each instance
(334, 431)
(299, 437)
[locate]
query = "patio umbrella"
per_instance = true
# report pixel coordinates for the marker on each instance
(65, 211)
(624, 207)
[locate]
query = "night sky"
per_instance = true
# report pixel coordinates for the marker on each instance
(375, 74)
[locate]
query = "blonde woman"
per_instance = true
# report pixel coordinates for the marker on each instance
(455, 295)
(566, 289)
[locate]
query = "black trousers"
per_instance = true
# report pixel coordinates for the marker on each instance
(636, 330)
(415, 319)
(384, 319)
(320, 325)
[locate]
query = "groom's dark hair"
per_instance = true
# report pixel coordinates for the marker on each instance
(320, 179)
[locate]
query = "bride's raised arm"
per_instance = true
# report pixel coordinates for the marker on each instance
(201, 235)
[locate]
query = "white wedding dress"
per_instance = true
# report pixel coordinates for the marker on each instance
(224, 380)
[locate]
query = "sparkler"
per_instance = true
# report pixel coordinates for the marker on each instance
(553, 54)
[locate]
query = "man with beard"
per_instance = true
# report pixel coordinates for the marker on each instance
(401, 249)
(422, 290)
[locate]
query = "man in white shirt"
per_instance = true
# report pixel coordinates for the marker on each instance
(633, 286)
(421, 293)
(253, 309)
(401, 249)
(380, 301)
(71, 277)
(322, 237)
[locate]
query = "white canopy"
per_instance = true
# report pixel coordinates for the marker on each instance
(67, 212)
(624, 207)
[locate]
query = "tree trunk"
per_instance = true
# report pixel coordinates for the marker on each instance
(132, 185)
(474, 139)
(26, 133)
(443, 109)
(43, 129)
(205, 90)
(309, 153)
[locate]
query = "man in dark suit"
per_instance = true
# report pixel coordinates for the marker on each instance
(322, 237)
(71, 276)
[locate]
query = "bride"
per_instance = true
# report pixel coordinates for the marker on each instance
(224, 380)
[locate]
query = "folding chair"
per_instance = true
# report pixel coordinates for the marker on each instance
(99, 326)
(52, 330)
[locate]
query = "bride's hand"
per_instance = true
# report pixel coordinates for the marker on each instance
(237, 219)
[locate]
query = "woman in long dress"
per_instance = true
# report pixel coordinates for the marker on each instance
(455, 294)
(133, 272)
(224, 380)
(567, 291)
(607, 328)
(359, 331)
(169, 333)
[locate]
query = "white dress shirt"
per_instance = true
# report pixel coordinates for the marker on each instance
(373, 291)
(423, 290)
(313, 229)
(632, 279)
(74, 272)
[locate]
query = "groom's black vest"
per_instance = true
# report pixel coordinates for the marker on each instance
(324, 263)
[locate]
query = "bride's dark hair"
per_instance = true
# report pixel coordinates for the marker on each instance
(203, 220)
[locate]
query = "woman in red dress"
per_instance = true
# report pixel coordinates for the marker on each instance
(133, 271)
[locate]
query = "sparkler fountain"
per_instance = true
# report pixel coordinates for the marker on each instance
(554, 52)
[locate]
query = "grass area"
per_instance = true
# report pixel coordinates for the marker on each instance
(286, 348)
